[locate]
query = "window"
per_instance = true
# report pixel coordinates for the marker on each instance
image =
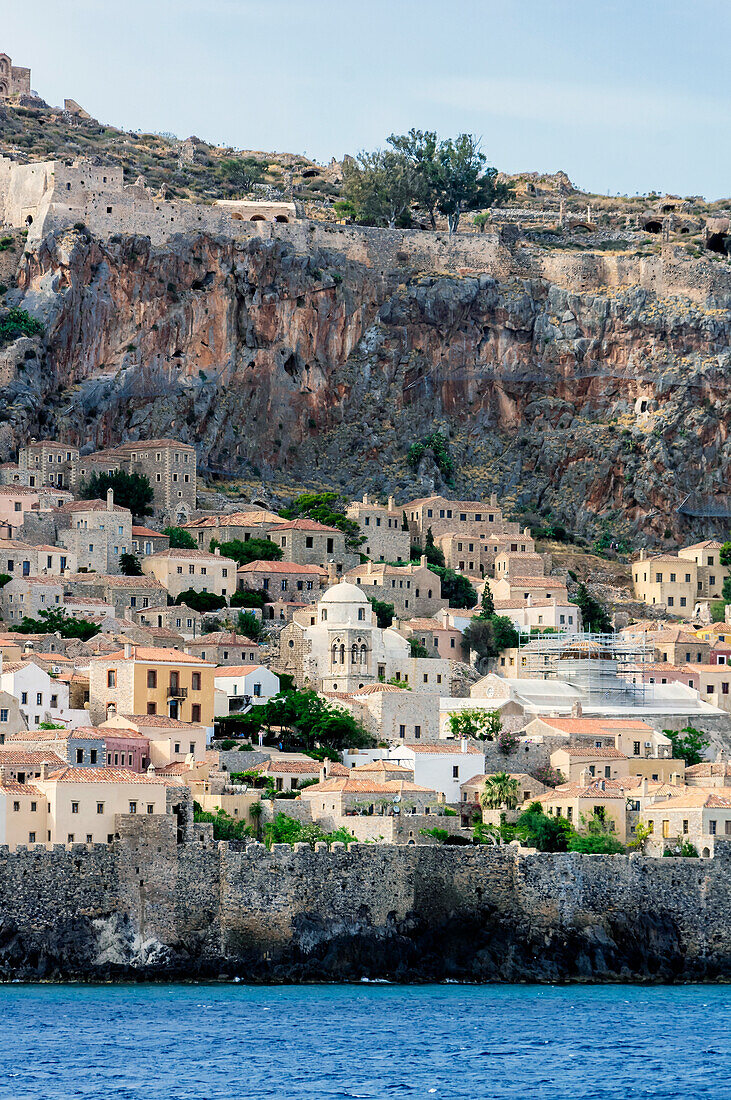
(70, 838)
(361, 613)
(177, 746)
(79, 756)
(31, 838)
(111, 678)
(100, 807)
(417, 732)
(196, 680)
(74, 807)
(666, 829)
(151, 678)
(152, 708)
(133, 807)
(3, 714)
(402, 731)
(39, 698)
(195, 712)
(150, 808)
(92, 756)
(16, 807)
(636, 748)
(455, 771)
(712, 828)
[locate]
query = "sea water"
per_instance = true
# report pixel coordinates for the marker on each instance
(203, 1042)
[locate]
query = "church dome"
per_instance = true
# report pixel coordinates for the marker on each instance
(344, 593)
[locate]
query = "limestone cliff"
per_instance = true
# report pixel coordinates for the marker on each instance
(606, 404)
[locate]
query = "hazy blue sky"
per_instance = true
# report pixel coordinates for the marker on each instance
(624, 95)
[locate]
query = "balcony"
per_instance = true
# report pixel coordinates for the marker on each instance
(176, 692)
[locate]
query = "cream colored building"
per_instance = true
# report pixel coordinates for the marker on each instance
(179, 570)
(529, 589)
(578, 802)
(83, 802)
(694, 815)
(171, 742)
(678, 582)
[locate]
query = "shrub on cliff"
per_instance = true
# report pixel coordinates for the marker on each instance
(15, 323)
(131, 491)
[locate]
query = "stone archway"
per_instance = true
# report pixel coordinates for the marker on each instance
(652, 226)
(257, 218)
(282, 218)
(719, 242)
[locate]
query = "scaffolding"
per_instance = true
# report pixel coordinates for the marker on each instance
(601, 666)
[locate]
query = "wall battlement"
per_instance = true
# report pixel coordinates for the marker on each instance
(150, 907)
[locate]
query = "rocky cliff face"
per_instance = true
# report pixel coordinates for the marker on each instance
(606, 405)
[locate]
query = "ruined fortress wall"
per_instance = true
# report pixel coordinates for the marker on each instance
(147, 905)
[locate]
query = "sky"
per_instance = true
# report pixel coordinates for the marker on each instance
(625, 96)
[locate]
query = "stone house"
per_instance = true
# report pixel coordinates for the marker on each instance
(310, 543)
(27, 596)
(179, 618)
(465, 517)
(694, 815)
(414, 590)
(171, 741)
(127, 595)
(254, 524)
(169, 465)
(582, 800)
(529, 588)
(145, 541)
(288, 775)
(382, 528)
(438, 639)
(529, 790)
(601, 763)
(179, 570)
(476, 554)
(716, 773)
(392, 714)
(680, 647)
(49, 463)
(99, 532)
(226, 647)
(152, 680)
(526, 615)
(22, 765)
(82, 747)
(338, 646)
(508, 563)
(336, 798)
(282, 579)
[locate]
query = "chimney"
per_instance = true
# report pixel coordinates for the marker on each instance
(151, 769)
(526, 532)
(332, 573)
(584, 777)
(127, 650)
(493, 500)
(369, 568)
(392, 504)
(675, 779)
(365, 498)
(576, 709)
(642, 555)
(644, 788)
(3, 771)
(422, 561)
(463, 745)
(529, 601)
(602, 785)
(44, 771)
(110, 499)
(217, 551)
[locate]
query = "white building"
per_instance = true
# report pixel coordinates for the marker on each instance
(442, 767)
(42, 698)
(239, 687)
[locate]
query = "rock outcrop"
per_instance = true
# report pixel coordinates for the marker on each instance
(605, 405)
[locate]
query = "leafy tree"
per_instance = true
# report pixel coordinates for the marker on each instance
(420, 147)
(328, 509)
(465, 183)
(725, 556)
(225, 827)
(500, 789)
(455, 588)
(440, 835)
(286, 830)
(129, 565)
(688, 744)
(57, 622)
(384, 612)
(245, 597)
(596, 836)
(131, 491)
(481, 221)
(594, 615)
(202, 602)
(489, 637)
(404, 522)
(250, 626)
(417, 649)
(5, 578)
(483, 725)
(180, 539)
(303, 720)
(434, 555)
(344, 209)
(382, 186)
(543, 831)
(239, 174)
(642, 832)
(245, 551)
(726, 590)
(685, 849)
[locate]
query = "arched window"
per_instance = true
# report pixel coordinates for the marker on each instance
(354, 654)
(342, 654)
(364, 655)
(335, 655)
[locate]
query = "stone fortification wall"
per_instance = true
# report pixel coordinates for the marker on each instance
(150, 907)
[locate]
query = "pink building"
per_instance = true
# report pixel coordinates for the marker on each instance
(15, 500)
(126, 748)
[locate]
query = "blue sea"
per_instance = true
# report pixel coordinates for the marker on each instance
(204, 1042)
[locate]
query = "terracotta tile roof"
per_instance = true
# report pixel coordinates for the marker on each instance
(288, 767)
(590, 753)
(676, 636)
(508, 605)
(708, 769)
(147, 532)
(289, 567)
(231, 671)
(81, 733)
(100, 775)
(29, 757)
(695, 798)
(534, 582)
(306, 525)
(178, 767)
(575, 790)
(108, 580)
(90, 506)
(378, 689)
(236, 519)
(157, 721)
(425, 624)
(379, 767)
(154, 653)
(708, 544)
(143, 444)
(10, 787)
(454, 749)
(349, 785)
(197, 554)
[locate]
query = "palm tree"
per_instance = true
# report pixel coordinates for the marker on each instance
(500, 790)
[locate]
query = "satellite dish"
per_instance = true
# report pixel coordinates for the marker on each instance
(397, 809)
(396, 799)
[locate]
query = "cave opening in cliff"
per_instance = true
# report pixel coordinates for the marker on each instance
(719, 242)
(653, 227)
